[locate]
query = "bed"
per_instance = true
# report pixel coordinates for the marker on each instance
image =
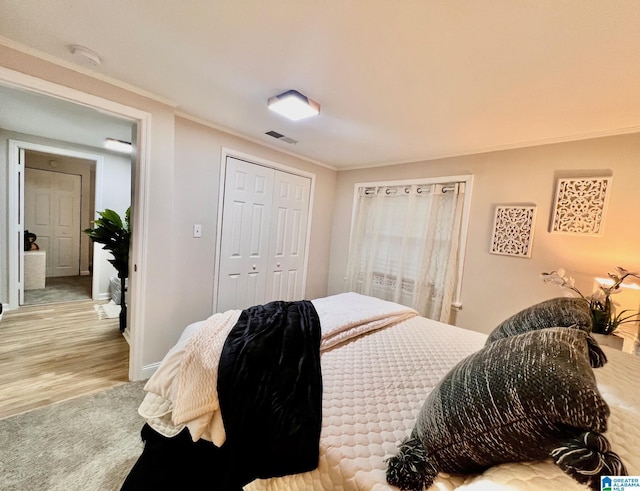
(375, 380)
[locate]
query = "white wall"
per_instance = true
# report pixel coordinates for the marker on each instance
(197, 180)
(175, 278)
(495, 287)
(114, 194)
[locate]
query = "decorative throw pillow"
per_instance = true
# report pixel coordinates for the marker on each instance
(556, 312)
(522, 398)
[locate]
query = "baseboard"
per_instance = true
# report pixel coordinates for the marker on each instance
(149, 370)
(104, 296)
(85, 273)
(126, 336)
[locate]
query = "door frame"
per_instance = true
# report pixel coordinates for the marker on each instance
(16, 213)
(139, 201)
(252, 159)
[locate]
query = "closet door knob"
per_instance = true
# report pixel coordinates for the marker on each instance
(278, 265)
(254, 267)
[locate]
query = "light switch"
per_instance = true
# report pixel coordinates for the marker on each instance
(197, 230)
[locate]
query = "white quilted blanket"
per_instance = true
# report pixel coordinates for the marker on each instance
(374, 388)
(183, 392)
(348, 315)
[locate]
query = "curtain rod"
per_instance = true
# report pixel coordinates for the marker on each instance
(407, 189)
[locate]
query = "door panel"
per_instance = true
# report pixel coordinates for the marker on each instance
(65, 258)
(42, 203)
(52, 212)
(245, 232)
(258, 231)
(288, 239)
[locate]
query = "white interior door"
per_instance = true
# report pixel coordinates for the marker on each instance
(52, 212)
(245, 235)
(265, 218)
(288, 235)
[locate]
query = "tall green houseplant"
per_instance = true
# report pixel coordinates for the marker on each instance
(115, 234)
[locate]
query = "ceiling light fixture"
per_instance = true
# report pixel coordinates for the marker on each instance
(117, 145)
(293, 105)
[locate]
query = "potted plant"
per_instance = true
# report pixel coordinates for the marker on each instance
(603, 311)
(115, 234)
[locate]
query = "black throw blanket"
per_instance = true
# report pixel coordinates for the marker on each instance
(270, 393)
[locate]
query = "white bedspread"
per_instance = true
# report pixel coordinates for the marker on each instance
(374, 388)
(348, 315)
(183, 392)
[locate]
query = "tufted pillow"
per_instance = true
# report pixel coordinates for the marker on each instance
(556, 312)
(522, 398)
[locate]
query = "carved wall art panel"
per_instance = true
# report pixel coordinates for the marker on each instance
(580, 205)
(513, 230)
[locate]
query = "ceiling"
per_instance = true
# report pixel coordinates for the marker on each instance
(35, 114)
(398, 81)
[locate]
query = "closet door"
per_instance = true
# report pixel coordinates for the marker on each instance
(265, 220)
(244, 245)
(288, 236)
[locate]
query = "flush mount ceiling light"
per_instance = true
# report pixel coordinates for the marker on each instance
(117, 145)
(293, 105)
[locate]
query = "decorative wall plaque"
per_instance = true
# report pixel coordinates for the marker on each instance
(580, 205)
(513, 231)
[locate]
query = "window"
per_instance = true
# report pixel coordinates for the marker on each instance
(407, 242)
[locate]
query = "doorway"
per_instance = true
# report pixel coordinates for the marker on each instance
(59, 195)
(64, 100)
(97, 170)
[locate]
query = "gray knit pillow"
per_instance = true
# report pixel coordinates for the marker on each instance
(522, 398)
(556, 312)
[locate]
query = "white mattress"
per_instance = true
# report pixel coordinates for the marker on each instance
(374, 388)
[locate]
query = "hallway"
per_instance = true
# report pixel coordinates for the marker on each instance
(51, 353)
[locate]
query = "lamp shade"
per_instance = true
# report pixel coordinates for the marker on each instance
(293, 105)
(627, 297)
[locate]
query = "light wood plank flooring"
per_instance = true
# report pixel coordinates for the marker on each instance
(50, 353)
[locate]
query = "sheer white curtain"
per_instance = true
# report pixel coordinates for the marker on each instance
(405, 245)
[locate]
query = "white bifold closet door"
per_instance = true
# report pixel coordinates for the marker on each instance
(264, 232)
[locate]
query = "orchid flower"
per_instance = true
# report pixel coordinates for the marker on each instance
(603, 309)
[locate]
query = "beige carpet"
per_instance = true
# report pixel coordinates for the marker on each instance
(83, 444)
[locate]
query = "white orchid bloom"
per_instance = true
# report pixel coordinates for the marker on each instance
(622, 272)
(599, 295)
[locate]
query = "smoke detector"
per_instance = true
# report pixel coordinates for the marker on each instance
(85, 55)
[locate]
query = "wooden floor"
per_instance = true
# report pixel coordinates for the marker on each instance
(49, 353)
